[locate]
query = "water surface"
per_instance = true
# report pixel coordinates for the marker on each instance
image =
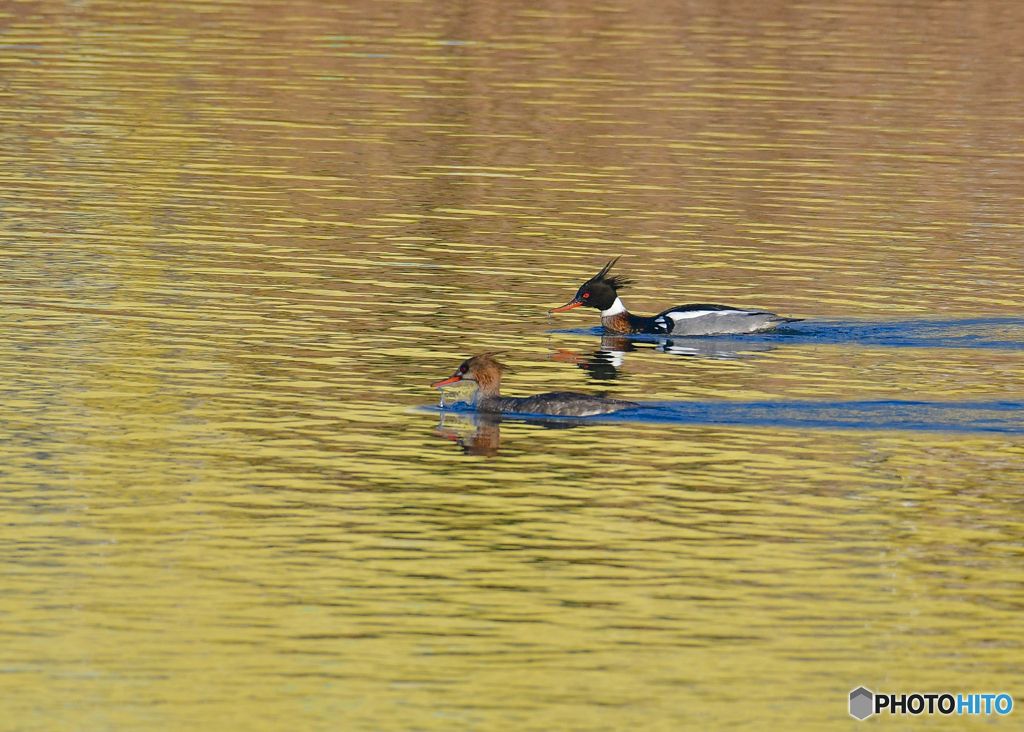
(241, 239)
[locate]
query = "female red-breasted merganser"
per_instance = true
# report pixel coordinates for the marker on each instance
(486, 372)
(601, 292)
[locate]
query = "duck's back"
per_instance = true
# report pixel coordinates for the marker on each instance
(700, 320)
(556, 404)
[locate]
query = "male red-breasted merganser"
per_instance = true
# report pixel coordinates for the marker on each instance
(486, 372)
(601, 292)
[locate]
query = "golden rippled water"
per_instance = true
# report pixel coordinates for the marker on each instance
(240, 239)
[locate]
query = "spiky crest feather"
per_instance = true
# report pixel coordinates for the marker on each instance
(616, 282)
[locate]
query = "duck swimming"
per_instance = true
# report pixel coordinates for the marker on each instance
(601, 292)
(486, 372)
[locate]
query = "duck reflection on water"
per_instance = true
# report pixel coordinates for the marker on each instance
(604, 363)
(477, 433)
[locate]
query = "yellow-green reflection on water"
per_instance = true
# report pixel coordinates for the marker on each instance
(240, 239)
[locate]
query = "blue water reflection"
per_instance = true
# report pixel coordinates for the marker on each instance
(989, 333)
(604, 363)
(883, 415)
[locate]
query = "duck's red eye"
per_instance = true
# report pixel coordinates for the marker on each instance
(586, 295)
(462, 369)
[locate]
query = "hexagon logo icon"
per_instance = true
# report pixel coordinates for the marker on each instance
(861, 703)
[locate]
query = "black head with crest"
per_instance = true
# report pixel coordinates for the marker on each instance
(599, 291)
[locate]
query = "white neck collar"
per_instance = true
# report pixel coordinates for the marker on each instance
(616, 308)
